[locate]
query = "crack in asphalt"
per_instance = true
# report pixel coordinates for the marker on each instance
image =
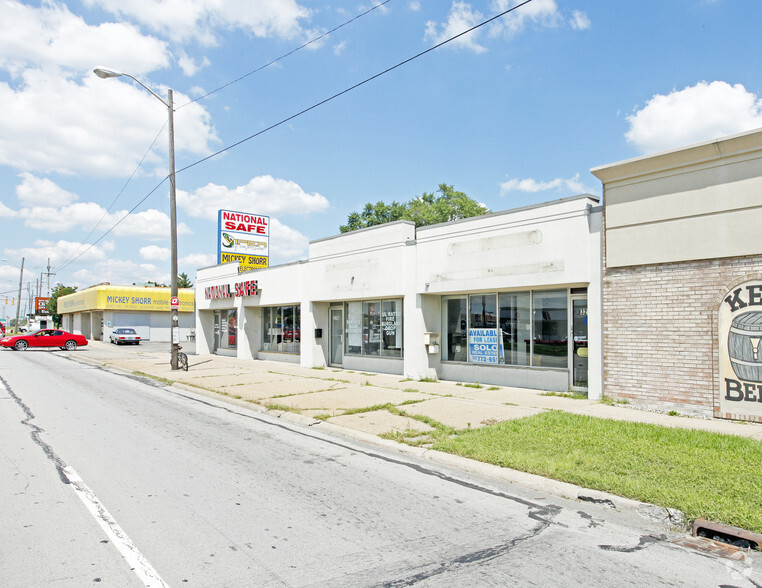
(36, 433)
(644, 542)
(480, 556)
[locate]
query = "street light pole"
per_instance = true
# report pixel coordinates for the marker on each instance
(174, 325)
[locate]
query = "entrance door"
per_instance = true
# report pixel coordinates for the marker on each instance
(579, 343)
(216, 344)
(337, 336)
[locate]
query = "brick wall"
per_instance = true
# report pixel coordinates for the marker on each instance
(660, 332)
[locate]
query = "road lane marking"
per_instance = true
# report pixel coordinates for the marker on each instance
(132, 555)
(135, 559)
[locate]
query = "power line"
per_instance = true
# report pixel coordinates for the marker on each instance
(277, 59)
(347, 90)
(71, 259)
(302, 112)
(115, 225)
(66, 263)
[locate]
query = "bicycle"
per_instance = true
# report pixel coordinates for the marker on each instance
(182, 359)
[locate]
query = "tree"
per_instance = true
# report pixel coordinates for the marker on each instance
(58, 291)
(183, 281)
(427, 209)
(374, 214)
(449, 206)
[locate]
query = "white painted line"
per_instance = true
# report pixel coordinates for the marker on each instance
(136, 560)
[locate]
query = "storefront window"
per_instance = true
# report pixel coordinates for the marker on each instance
(374, 328)
(391, 328)
(371, 328)
(509, 328)
(354, 328)
(281, 329)
(454, 320)
(515, 327)
(483, 311)
(551, 332)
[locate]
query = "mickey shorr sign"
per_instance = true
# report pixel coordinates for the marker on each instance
(740, 334)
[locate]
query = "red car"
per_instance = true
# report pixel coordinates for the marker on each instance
(44, 338)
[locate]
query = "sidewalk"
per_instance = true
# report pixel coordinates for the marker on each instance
(329, 393)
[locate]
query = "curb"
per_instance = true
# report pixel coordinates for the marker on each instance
(669, 519)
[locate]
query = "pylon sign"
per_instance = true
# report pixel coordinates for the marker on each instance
(243, 237)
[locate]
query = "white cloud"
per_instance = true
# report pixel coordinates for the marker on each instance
(58, 117)
(55, 220)
(531, 185)
(580, 21)
(50, 36)
(38, 253)
(194, 261)
(697, 113)
(119, 271)
(460, 18)
(148, 224)
(186, 20)
(286, 244)
(99, 127)
(189, 66)
(543, 13)
(154, 253)
(6, 212)
(40, 191)
(262, 195)
(415, 5)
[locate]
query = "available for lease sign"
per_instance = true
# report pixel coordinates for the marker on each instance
(243, 237)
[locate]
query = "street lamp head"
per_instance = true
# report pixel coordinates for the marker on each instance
(104, 73)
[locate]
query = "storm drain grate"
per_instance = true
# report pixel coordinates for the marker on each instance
(727, 534)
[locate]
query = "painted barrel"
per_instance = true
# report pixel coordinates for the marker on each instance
(744, 348)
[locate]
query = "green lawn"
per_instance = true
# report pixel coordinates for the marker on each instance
(716, 477)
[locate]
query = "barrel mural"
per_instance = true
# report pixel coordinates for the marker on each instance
(743, 346)
(739, 323)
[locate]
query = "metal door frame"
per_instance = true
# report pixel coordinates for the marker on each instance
(340, 311)
(572, 299)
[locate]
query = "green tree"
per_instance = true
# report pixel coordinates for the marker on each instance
(183, 281)
(374, 214)
(58, 291)
(427, 209)
(450, 205)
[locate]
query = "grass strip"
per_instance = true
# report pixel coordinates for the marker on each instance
(709, 475)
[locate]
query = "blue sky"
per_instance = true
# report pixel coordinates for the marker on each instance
(515, 113)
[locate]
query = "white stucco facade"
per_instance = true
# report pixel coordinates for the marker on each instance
(383, 299)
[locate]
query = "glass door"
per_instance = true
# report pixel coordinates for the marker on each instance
(337, 336)
(579, 343)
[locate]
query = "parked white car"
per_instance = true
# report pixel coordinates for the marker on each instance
(124, 335)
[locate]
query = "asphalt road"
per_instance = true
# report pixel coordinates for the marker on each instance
(115, 481)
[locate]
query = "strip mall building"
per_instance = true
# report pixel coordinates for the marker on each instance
(648, 298)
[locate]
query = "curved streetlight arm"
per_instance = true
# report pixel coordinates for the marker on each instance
(104, 73)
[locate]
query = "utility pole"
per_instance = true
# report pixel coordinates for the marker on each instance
(48, 273)
(21, 279)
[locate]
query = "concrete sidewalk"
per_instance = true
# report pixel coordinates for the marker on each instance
(329, 393)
